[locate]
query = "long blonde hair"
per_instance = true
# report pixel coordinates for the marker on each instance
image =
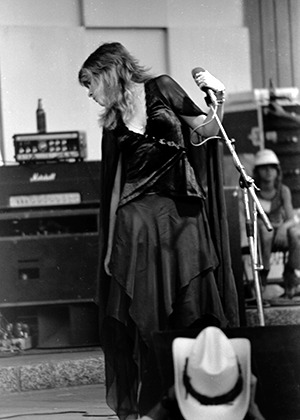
(118, 70)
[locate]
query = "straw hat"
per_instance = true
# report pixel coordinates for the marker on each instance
(212, 376)
(266, 157)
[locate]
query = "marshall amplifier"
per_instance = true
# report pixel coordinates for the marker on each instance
(49, 185)
(49, 233)
(282, 135)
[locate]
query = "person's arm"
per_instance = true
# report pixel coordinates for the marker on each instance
(186, 109)
(207, 125)
(287, 203)
(253, 412)
(198, 123)
(166, 409)
(112, 216)
(281, 234)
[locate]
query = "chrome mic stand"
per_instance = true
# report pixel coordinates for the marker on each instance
(247, 183)
(252, 235)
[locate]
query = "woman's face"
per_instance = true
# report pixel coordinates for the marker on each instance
(267, 173)
(96, 91)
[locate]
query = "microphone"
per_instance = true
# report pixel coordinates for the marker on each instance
(211, 97)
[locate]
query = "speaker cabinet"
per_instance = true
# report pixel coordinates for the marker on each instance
(49, 233)
(49, 247)
(72, 325)
(50, 269)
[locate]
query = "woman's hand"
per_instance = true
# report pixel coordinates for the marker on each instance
(207, 126)
(280, 240)
(106, 263)
(206, 79)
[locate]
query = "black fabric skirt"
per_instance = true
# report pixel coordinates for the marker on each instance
(162, 266)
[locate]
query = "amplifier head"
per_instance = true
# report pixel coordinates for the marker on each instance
(56, 146)
(54, 184)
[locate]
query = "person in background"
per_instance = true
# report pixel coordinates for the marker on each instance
(276, 200)
(213, 380)
(164, 259)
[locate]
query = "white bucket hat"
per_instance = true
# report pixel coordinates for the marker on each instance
(212, 376)
(266, 157)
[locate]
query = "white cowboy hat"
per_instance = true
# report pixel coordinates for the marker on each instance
(212, 376)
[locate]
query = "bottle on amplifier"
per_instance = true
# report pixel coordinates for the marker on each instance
(40, 118)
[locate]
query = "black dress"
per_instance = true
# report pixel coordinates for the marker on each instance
(164, 261)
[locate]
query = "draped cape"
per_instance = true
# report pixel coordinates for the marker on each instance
(208, 167)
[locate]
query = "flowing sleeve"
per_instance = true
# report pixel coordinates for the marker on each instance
(207, 162)
(109, 163)
(178, 99)
(217, 216)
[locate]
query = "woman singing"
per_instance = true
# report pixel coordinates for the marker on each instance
(165, 261)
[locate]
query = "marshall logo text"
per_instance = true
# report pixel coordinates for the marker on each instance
(36, 177)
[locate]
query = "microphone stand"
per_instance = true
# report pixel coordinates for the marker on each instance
(247, 183)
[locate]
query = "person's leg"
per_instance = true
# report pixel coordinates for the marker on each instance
(291, 280)
(266, 243)
(265, 249)
(294, 247)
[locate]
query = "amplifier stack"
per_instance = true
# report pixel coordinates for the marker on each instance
(49, 242)
(283, 136)
(255, 126)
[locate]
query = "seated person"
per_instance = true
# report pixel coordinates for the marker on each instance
(213, 380)
(275, 198)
